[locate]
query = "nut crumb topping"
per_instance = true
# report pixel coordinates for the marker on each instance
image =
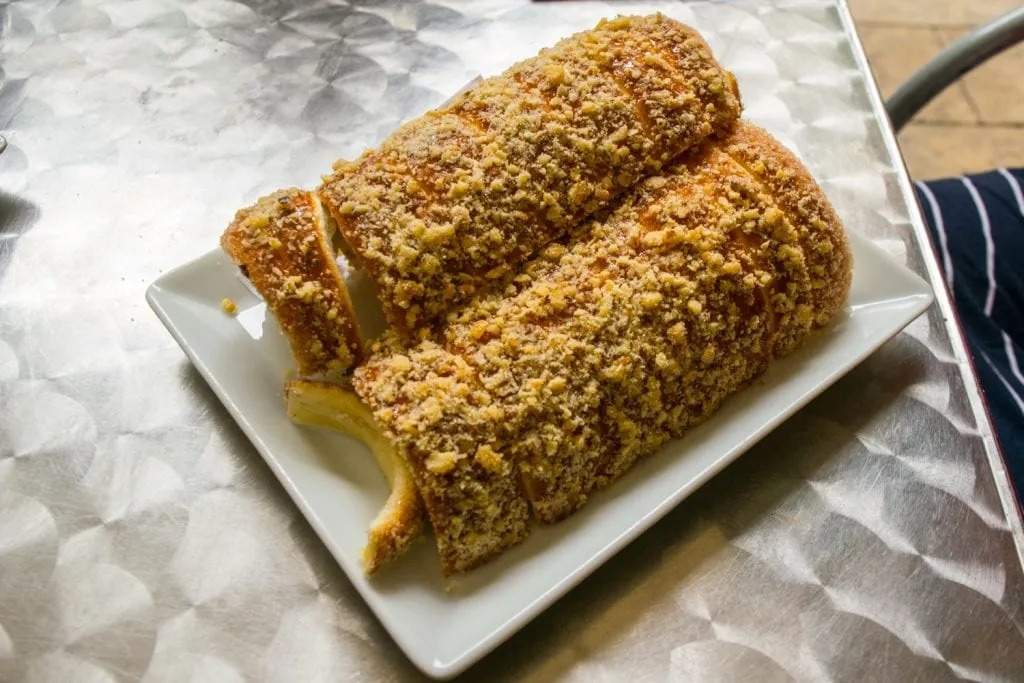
(605, 348)
(453, 201)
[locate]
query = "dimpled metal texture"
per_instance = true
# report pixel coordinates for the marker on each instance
(870, 538)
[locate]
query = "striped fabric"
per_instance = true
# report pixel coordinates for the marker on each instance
(977, 226)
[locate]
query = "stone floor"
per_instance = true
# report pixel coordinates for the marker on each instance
(976, 124)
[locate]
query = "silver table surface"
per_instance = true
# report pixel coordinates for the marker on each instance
(872, 537)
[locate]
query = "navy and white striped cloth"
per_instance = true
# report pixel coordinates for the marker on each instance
(977, 225)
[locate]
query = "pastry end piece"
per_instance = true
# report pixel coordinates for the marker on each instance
(283, 246)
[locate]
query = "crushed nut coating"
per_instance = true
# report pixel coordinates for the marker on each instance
(453, 202)
(603, 348)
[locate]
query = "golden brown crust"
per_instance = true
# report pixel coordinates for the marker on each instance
(282, 244)
(602, 349)
(453, 201)
(821, 233)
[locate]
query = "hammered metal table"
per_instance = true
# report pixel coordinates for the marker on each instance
(872, 537)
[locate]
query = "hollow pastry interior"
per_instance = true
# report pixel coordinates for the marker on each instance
(335, 407)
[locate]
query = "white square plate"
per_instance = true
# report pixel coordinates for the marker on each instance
(337, 485)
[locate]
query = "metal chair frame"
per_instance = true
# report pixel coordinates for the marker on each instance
(974, 49)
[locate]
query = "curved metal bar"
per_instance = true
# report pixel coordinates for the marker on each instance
(973, 49)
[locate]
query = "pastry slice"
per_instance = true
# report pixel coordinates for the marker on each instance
(283, 245)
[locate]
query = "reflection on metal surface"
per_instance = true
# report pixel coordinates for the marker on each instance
(142, 538)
